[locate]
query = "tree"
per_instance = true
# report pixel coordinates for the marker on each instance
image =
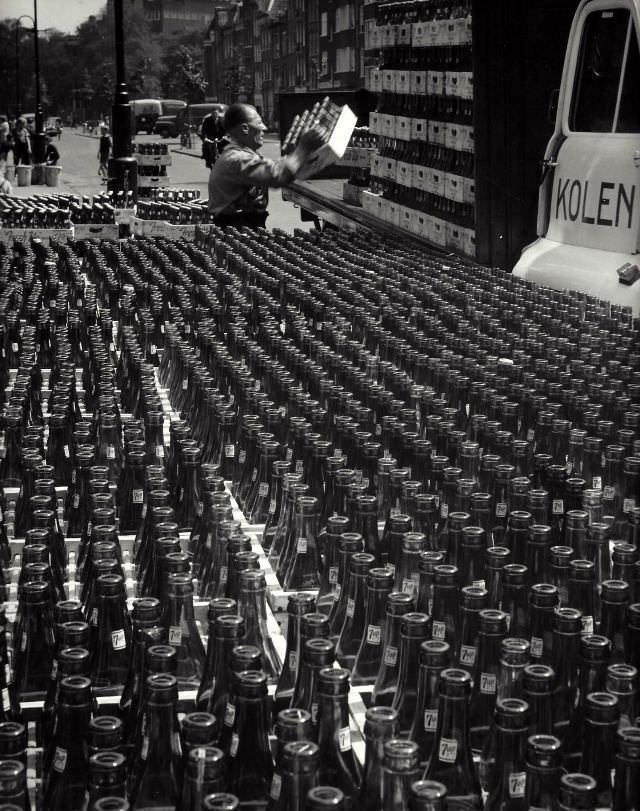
(238, 78)
(183, 77)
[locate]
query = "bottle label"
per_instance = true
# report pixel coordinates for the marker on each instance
(118, 640)
(378, 429)
(14, 347)
(54, 670)
(597, 483)
(350, 608)
(242, 455)
(390, 656)
(160, 451)
(365, 482)
(302, 545)
(73, 476)
(478, 583)
(229, 451)
(517, 784)
(467, 655)
(530, 435)
(501, 509)
(233, 746)
(557, 507)
(408, 586)
(628, 504)
(138, 496)
(254, 474)
(444, 511)
(6, 702)
(185, 384)
(229, 715)
(314, 712)
(76, 501)
(66, 451)
(374, 634)
(199, 507)
(94, 616)
(438, 630)
(338, 591)
(333, 574)
(299, 466)
(276, 786)
(223, 574)
(587, 625)
(144, 749)
(537, 646)
(488, 683)
(344, 739)
(272, 506)
(60, 759)
(609, 493)
(289, 454)
(293, 661)
(111, 452)
(175, 636)
(430, 720)
(23, 641)
(448, 750)
(263, 489)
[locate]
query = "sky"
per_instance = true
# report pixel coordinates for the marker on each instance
(65, 15)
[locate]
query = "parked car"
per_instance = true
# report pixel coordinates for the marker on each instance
(53, 127)
(170, 126)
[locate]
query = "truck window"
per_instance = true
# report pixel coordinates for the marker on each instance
(607, 74)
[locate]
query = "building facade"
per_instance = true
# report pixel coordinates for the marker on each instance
(255, 49)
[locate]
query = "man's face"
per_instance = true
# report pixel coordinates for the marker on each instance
(254, 130)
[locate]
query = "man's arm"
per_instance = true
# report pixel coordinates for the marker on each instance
(258, 171)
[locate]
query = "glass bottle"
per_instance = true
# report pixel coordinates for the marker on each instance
(253, 608)
(434, 658)
(582, 592)
(156, 768)
(508, 786)
(444, 618)
(65, 780)
(305, 564)
(543, 763)
(613, 625)
(543, 598)
(326, 798)
(399, 770)
(33, 639)
(414, 628)
(427, 561)
(599, 740)
(473, 599)
(182, 632)
(398, 604)
(369, 656)
(537, 686)
(348, 544)
(300, 760)
(204, 775)
(250, 763)
(339, 766)
(335, 526)
(496, 558)
(291, 725)
(111, 633)
(567, 629)
(107, 778)
(297, 606)
(577, 791)
(130, 498)
(189, 493)
(492, 630)
(353, 628)
(622, 682)
(626, 794)
(366, 523)
(427, 795)
(229, 632)
(515, 602)
(379, 726)
(559, 557)
(451, 762)
(14, 795)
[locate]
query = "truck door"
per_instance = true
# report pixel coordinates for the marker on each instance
(593, 194)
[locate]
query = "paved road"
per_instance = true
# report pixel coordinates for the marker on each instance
(78, 158)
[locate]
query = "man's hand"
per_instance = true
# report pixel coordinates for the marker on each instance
(310, 141)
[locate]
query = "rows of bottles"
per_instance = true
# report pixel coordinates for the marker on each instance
(355, 378)
(424, 118)
(176, 213)
(61, 210)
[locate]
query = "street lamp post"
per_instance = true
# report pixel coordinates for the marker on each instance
(38, 137)
(123, 169)
(18, 99)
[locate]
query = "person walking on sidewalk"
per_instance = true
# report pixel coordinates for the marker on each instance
(240, 179)
(104, 150)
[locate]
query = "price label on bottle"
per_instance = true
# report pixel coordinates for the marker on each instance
(60, 759)
(344, 739)
(242, 455)
(333, 574)
(530, 435)
(314, 712)
(263, 489)
(448, 750)
(160, 451)
(299, 466)
(6, 702)
(467, 655)
(350, 608)
(338, 591)
(557, 507)
(233, 746)
(609, 493)
(229, 714)
(293, 660)
(14, 347)
(488, 683)
(628, 504)
(587, 625)
(118, 640)
(76, 501)
(289, 454)
(276, 786)
(94, 616)
(374, 634)
(390, 655)
(501, 509)
(138, 496)
(199, 507)
(111, 452)
(301, 546)
(430, 720)
(254, 474)
(444, 511)
(229, 451)
(438, 630)
(223, 574)
(185, 384)
(272, 506)
(175, 636)
(408, 586)
(597, 482)
(517, 784)
(536, 647)
(480, 584)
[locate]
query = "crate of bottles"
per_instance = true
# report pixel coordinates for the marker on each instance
(96, 231)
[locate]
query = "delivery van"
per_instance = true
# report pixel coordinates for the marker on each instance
(145, 113)
(589, 197)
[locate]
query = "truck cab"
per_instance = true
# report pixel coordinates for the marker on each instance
(589, 197)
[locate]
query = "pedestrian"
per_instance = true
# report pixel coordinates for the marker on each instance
(240, 178)
(21, 143)
(51, 154)
(212, 134)
(104, 150)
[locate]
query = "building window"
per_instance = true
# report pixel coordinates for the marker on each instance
(324, 63)
(324, 24)
(345, 60)
(344, 18)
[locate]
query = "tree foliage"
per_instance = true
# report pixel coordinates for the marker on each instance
(238, 77)
(78, 70)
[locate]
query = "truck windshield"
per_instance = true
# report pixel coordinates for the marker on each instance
(607, 75)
